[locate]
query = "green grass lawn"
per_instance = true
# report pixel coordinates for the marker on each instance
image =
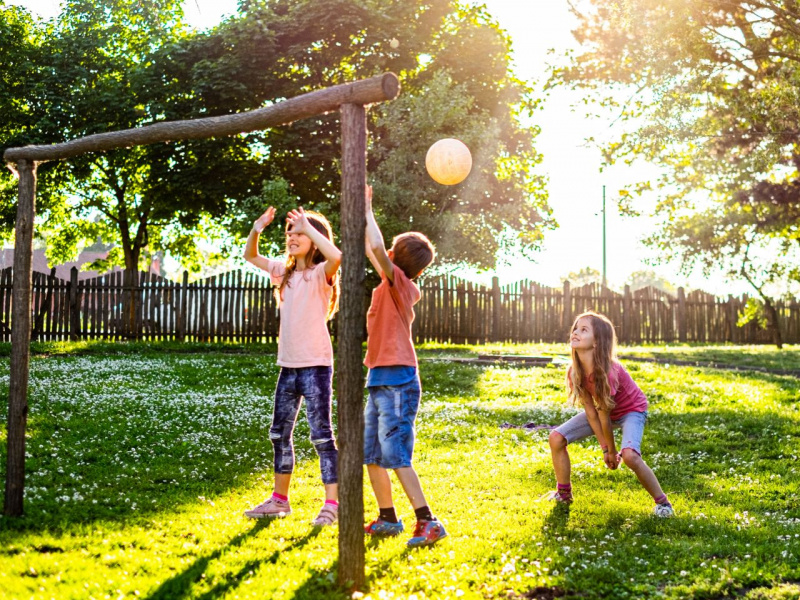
(142, 458)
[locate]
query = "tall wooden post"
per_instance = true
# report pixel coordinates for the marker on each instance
(74, 306)
(184, 304)
(566, 313)
(682, 324)
(733, 319)
(496, 301)
(627, 312)
(351, 336)
(20, 339)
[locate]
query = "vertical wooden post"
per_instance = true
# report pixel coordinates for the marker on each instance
(183, 305)
(496, 333)
(627, 310)
(74, 306)
(350, 338)
(566, 314)
(20, 340)
(733, 318)
(682, 324)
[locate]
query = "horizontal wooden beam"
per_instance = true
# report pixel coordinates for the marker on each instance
(366, 91)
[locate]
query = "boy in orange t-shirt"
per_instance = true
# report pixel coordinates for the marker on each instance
(393, 380)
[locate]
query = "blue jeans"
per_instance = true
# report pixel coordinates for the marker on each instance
(315, 385)
(632, 425)
(389, 424)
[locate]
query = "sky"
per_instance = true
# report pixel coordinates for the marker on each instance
(572, 167)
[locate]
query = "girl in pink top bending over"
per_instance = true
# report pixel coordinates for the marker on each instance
(307, 288)
(610, 400)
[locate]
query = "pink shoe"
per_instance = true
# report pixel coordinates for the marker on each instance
(271, 508)
(557, 497)
(328, 515)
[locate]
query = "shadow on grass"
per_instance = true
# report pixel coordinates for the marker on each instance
(322, 584)
(180, 586)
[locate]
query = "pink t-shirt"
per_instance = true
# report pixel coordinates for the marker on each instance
(389, 319)
(626, 394)
(303, 339)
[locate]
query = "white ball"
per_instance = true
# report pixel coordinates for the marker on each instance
(394, 43)
(448, 161)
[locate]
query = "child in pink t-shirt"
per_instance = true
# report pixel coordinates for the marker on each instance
(307, 288)
(611, 399)
(393, 380)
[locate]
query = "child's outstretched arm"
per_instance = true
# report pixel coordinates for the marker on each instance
(376, 250)
(333, 256)
(600, 423)
(251, 254)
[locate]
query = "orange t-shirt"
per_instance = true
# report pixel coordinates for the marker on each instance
(389, 321)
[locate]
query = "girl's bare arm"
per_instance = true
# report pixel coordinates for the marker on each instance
(600, 423)
(251, 254)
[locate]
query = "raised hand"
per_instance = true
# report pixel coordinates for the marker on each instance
(264, 220)
(297, 221)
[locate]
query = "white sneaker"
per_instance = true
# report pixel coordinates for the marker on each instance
(665, 511)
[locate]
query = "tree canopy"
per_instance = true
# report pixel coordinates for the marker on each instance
(583, 277)
(116, 64)
(709, 90)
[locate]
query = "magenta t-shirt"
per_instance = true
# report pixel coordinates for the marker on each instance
(626, 394)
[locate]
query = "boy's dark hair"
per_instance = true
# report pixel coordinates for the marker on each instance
(412, 252)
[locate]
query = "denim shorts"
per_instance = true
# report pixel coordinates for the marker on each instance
(314, 384)
(389, 424)
(632, 425)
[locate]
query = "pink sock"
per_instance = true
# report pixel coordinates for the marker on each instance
(662, 499)
(334, 502)
(280, 497)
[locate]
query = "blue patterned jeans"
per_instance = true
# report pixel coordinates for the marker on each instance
(314, 384)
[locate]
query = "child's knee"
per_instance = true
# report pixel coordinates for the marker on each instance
(324, 445)
(631, 458)
(281, 437)
(557, 441)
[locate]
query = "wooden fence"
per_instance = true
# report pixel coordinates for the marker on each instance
(454, 310)
(124, 305)
(240, 307)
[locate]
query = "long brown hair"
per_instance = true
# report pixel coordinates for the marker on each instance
(604, 355)
(314, 257)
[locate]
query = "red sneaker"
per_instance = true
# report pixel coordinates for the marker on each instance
(427, 533)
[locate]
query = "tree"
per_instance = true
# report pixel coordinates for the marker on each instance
(708, 90)
(18, 50)
(456, 81)
(125, 63)
(640, 279)
(728, 237)
(96, 69)
(585, 276)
